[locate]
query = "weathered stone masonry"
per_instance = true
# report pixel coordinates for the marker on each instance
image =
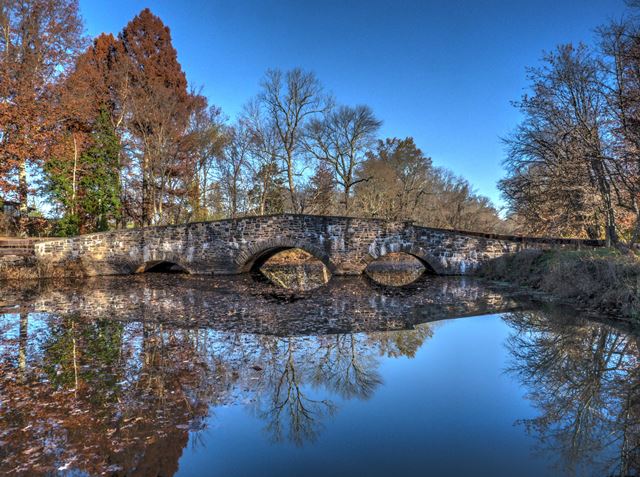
(345, 245)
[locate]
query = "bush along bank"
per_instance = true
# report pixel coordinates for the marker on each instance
(602, 280)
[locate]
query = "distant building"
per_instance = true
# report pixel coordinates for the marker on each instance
(11, 208)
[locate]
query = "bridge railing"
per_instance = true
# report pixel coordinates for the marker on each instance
(520, 238)
(409, 223)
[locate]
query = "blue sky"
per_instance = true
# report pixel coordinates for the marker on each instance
(441, 71)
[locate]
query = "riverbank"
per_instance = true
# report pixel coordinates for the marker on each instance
(602, 280)
(17, 259)
(17, 268)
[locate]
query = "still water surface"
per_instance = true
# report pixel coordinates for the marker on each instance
(233, 376)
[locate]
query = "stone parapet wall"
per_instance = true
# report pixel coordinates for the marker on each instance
(346, 245)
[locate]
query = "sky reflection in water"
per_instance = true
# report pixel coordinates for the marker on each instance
(158, 375)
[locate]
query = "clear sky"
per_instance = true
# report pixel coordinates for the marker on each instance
(442, 71)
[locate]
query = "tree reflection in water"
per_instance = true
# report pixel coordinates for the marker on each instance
(118, 375)
(101, 396)
(584, 378)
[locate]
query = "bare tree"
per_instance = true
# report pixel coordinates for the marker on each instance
(264, 164)
(287, 101)
(560, 149)
(202, 147)
(342, 138)
(232, 167)
(621, 87)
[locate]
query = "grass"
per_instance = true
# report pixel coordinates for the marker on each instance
(601, 279)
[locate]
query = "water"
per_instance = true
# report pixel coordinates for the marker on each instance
(234, 376)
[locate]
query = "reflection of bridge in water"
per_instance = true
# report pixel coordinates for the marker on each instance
(242, 304)
(345, 245)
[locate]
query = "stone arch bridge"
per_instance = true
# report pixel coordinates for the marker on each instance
(345, 245)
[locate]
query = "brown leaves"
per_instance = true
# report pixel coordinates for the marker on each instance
(47, 35)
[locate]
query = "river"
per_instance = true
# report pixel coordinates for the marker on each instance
(168, 374)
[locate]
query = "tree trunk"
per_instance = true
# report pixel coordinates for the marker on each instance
(75, 167)
(636, 226)
(604, 188)
(234, 199)
(22, 344)
(610, 230)
(292, 186)
(264, 194)
(23, 189)
(145, 191)
(347, 192)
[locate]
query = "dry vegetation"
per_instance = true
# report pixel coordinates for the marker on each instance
(28, 268)
(603, 280)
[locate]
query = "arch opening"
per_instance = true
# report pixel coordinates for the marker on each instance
(398, 269)
(162, 266)
(292, 268)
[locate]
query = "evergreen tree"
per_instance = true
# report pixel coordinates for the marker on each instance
(100, 183)
(89, 191)
(322, 190)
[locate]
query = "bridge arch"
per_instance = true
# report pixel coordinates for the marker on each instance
(160, 260)
(430, 262)
(161, 266)
(254, 256)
